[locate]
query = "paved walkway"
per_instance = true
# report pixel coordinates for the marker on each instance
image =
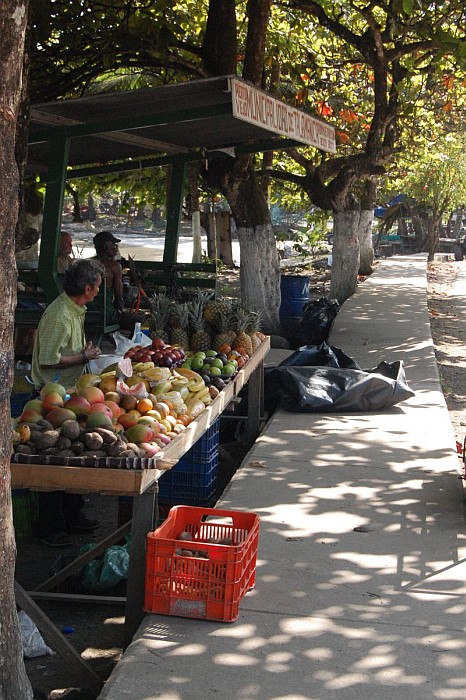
(361, 570)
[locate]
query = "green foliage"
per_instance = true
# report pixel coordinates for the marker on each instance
(437, 181)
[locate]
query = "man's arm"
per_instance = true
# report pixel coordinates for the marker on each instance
(117, 272)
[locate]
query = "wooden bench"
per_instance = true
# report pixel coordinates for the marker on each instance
(177, 280)
(35, 303)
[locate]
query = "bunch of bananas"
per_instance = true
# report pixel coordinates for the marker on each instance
(194, 383)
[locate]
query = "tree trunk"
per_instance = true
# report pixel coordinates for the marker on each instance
(193, 174)
(366, 250)
(260, 274)
(14, 684)
(197, 238)
(225, 252)
(366, 217)
(345, 254)
(77, 218)
(431, 239)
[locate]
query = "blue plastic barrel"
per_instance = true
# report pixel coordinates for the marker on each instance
(295, 294)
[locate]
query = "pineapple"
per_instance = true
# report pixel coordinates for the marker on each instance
(225, 334)
(252, 329)
(200, 338)
(214, 307)
(178, 333)
(242, 342)
(161, 307)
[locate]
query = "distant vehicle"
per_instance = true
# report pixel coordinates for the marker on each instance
(459, 250)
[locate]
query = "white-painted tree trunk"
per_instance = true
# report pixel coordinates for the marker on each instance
(260, 274)
(366, 250)
(345, 254)
(197, 242)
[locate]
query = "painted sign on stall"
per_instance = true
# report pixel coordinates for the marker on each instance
(257, 107)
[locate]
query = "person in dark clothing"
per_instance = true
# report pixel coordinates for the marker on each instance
(106, 247)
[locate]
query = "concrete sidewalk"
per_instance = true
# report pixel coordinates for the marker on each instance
(361, 570)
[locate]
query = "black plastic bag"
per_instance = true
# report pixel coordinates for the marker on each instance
(331, 390)
(322, 355)
(318, 316)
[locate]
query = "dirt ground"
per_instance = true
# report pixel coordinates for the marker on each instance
(98, 629)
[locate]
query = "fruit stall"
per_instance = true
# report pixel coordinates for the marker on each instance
(84, 439)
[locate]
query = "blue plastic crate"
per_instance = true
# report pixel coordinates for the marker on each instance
(17, 403)
(190, 483)
(206, 446)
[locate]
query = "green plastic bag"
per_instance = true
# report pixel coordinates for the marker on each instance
(105, 572)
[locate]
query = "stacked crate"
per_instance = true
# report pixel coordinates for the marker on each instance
(193, 480)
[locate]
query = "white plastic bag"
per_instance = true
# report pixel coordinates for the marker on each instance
(100, 363)
(123, 344)
(31, 639)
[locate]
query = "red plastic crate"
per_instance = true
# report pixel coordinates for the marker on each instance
(206, 588)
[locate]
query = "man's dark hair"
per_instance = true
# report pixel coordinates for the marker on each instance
(80, 274)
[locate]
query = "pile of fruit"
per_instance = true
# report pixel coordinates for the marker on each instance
(134, 410)
(206, 323)
(105, 416)
(161, 354)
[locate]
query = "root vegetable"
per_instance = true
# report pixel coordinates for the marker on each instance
(70, 429)
(63, 443)
(108, 436)
(47, 439)
(93, 441)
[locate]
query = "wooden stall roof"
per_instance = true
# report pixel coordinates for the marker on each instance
(208, 115)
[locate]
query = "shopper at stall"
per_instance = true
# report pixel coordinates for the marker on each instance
(61, 354)
(65, 258)
(106, 247)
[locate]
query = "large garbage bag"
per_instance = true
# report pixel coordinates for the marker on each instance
(317, 319)
(332, 390)
(322, 355)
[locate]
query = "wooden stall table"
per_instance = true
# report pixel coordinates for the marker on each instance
(142, 485)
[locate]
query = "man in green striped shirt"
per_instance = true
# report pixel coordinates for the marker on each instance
(61, 352)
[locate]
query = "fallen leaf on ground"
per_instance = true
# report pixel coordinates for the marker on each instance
(258, 464)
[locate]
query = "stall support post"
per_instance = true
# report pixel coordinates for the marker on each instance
(255, 403)
(176, 189)
(144, 517)
(54, 193)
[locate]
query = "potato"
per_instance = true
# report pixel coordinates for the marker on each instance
(77, 447)
(70, 429)
(47, 439)
(63, 443)
(134, 448)
(127, 453)
(93, 441)
(185, 536)
(117, 448)
(44, 424)
(108, 436)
